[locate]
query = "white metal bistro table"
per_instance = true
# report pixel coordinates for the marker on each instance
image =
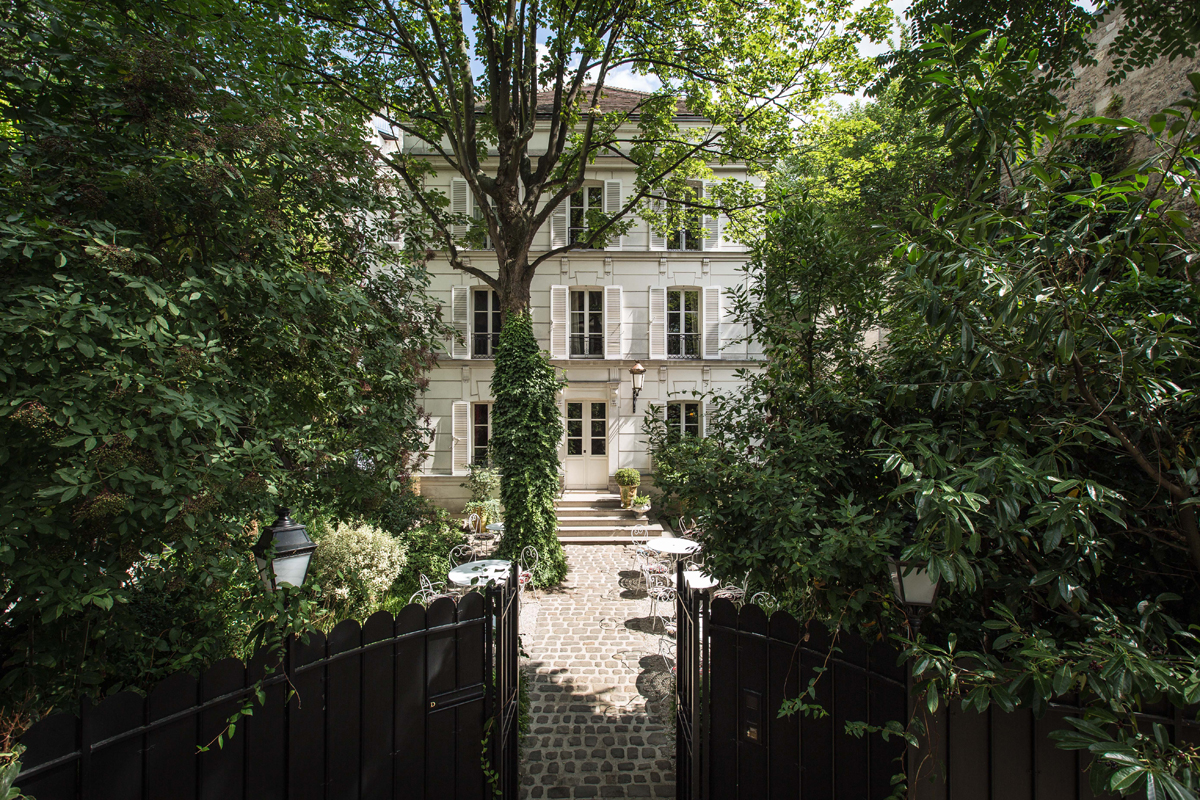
(495, 527)
(699, 580)
(672, 546)
(478, 573)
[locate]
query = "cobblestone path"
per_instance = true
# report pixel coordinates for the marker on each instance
(601, 685)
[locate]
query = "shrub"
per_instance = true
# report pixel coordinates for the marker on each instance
(355, 566)
(627, 476)
(428, 549)
(482, 482)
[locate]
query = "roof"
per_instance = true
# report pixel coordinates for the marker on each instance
(612, 99)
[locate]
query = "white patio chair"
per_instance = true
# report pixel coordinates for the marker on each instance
(526, 564)
(661, 593)
(733, 592)
(429, 591)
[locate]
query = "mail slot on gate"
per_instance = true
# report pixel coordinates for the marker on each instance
(753, 729)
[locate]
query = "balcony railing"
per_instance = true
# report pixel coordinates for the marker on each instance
(683, 345)
(587, 345)
(483, 345)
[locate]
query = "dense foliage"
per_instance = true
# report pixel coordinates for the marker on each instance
(1027, 428)
(467, 85)
(196, 326)
(524, 448)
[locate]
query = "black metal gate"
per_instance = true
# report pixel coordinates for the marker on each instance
(422, 705)
(736, 667)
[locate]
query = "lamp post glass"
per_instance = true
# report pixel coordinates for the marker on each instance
(912, 584)
(638, 372)
(283, 552)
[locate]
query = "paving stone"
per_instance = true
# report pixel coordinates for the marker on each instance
(596, 734)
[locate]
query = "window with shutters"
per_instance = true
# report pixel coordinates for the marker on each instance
(481, 432)
(683, 323)
(485, 336)
(587, 323)
(683, 419)
(589, 198)
(690, 234)
(486, 242)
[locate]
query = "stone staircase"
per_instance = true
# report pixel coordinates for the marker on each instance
(586, 517)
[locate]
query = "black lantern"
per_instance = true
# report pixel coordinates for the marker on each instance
(915, 590)
(283, 552)
(639, 378)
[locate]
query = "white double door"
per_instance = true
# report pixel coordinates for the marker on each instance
(586, 456)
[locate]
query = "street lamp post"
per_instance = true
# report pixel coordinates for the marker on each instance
(283, 552)
(639, 378)
(913, 587)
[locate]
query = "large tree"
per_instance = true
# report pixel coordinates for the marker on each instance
(509, 96)
(197, 325)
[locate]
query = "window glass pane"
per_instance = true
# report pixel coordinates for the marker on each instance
(574, 428)
(673, 413)
(673, 300)
(481, 300)
(574, 447)
(598, 447)
(595, 197)
(691, 301)
(595, 301)
(481, 414)
(598, 411)
(577, 301)
(574, 410)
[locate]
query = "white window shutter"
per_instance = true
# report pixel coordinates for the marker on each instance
(613, 322)
(558, 321)
(558, 225)
(658, 322)
(459, 317)
(460, 451)
(712, 226)
(657, 240)
(612, 204)
(458, 204)
(712, 321)
(703, 411)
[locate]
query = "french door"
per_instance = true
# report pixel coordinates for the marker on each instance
(586, 456)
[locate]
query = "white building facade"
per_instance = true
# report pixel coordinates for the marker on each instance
(659, 300)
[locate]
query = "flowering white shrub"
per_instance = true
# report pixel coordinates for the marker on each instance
(357, 564)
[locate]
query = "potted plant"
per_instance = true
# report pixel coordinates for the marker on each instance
(641, 504)
(628, 480)
(483, 482)
(488, 511)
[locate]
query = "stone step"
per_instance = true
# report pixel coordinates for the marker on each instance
(592, 511)
(576, 498)
(597, 534)
(611, 522)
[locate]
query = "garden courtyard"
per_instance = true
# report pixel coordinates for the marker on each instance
(600, 684)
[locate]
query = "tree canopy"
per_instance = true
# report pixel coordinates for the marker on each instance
(197, 326)
(509, 96)
(1026, 429)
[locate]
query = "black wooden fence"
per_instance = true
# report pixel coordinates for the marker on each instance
(396, 708)
(736, 668)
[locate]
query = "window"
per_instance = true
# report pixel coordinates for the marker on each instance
(477, 215)
(690, 236)
(481, 432)
(683, 419)
(683, 323)
(589, 198)
(587, 323)
(486, 338)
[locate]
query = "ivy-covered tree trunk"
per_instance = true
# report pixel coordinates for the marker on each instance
(526, 430)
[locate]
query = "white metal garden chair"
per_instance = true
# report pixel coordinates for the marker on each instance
(526, 564)
(733, 592)
(661, 593)
(429, 591)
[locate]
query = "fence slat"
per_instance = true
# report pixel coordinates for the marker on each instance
(221, 768)
(440, 676)
(378, 690)
(409, 759)
(343, 719)
(816, 732)
(1057, 770)
(53, 737)
(723, 682)
(171, 749)
(851, 757)
(306, 721)
(116, 770)
(784, 778)
(469, 660)
(752, 698)
(888, 702)
(266, 729)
